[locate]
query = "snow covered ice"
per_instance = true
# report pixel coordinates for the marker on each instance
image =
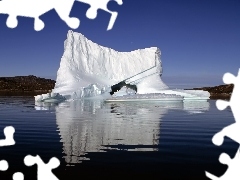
(88, 70)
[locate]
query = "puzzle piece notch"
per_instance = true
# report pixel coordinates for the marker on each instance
(231, 131)
(44, 170)
(3, 165)
(18, 176)
(101, 4)
(232, 172)
(229, 78)
(8, 133)
(221, 104)
(12, 22)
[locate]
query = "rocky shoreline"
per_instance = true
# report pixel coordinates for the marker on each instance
(32, 86)
(218, 92)
(25, 85)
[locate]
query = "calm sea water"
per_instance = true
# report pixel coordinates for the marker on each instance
(121, 140)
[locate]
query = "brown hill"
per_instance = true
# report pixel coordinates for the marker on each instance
(25, 85)
(218, 92)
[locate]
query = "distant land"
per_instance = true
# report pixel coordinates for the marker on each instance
(25, 85)
(32, 86)
(218, 92)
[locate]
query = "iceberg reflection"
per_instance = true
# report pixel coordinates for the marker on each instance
(96, 126)
(194, 107)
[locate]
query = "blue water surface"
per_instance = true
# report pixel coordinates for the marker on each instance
(117, 140)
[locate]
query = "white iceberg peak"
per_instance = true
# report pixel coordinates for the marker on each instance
(85, 62)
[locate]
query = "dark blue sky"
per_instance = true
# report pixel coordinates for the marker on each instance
(199, 39)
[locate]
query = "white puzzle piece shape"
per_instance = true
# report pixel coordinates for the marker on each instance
(232, 172)
(44, 171)
(3, 165)
(231, 131)
(101, 4)
(18, 176)
(234, 102)
(36, 8)
(8, 132)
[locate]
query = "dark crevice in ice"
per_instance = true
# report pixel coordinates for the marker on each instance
(118, 86)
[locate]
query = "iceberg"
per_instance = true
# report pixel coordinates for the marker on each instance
(50, 98)
(88, 70)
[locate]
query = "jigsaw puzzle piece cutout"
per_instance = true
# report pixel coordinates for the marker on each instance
(221, 104)
(232, 172)
(44, 170)
(63, 9)
(3, 165)
(234, 102)
(18, 176)
(229, 78)
(101, 4)
(34, 9)
(8, 133)
(231, 131)
(25, 8)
